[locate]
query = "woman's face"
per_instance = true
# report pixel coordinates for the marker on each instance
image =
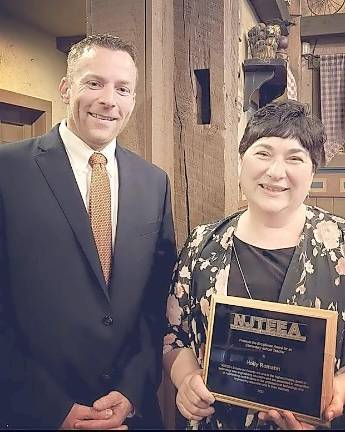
(276, 175)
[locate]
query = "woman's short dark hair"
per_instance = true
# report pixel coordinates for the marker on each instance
(287, 119)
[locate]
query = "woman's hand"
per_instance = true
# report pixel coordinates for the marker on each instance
(336, 406)
(284, 420)
(193, 399)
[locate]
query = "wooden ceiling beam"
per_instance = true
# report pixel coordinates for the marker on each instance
(268, 10)
(322, 25)
(64, 43)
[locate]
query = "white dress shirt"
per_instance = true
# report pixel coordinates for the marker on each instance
(79, 153)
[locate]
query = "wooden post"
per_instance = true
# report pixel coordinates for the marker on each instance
(159, 84)
(186, 118)
(206, 60)
(148, 24)
(126, 19)
(294, 48)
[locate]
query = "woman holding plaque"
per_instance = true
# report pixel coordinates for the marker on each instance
(278, 250)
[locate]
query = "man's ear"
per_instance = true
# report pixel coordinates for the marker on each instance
(64, 90)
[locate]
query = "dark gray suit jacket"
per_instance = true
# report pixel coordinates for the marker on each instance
(64, 337)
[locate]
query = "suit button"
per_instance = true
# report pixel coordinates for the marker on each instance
(107, 320)
(106, 376)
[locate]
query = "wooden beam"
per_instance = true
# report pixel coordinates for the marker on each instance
(64, 43)
(206, 154)
(322, 25)
(127, 20)
(268, 10)
(31, 108)
(25, 101)
(159, 110)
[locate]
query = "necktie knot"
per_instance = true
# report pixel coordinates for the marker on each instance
(97, 159)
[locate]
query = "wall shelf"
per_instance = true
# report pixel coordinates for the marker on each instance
(267, 77)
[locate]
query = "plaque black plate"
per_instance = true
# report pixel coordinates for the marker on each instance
(264, 358)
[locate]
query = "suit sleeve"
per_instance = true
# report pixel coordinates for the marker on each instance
(29, 396)
(143, 373)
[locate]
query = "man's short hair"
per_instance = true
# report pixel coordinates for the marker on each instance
(108, 41)
(287, 119)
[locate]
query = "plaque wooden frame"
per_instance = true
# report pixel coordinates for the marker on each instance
(328, 317)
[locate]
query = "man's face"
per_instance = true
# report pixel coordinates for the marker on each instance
(100, 95)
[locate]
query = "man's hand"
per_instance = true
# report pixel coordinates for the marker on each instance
(82, 412)
(114, 403)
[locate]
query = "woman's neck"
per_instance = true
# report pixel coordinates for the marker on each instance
(271, 231)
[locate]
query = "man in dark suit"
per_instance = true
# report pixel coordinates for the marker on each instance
(86, 253)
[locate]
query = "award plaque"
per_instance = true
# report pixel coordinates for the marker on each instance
(264, 355)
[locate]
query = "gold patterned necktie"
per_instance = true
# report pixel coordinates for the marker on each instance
(100, 211)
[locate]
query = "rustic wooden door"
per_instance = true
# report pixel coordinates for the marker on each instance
(11, 132)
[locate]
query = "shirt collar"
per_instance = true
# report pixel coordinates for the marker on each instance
(79, 152)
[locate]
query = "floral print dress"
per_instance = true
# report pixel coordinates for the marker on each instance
(315, 278)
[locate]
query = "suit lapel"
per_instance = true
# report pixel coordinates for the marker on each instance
(54, 164)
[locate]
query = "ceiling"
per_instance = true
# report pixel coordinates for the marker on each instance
(55, 17)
